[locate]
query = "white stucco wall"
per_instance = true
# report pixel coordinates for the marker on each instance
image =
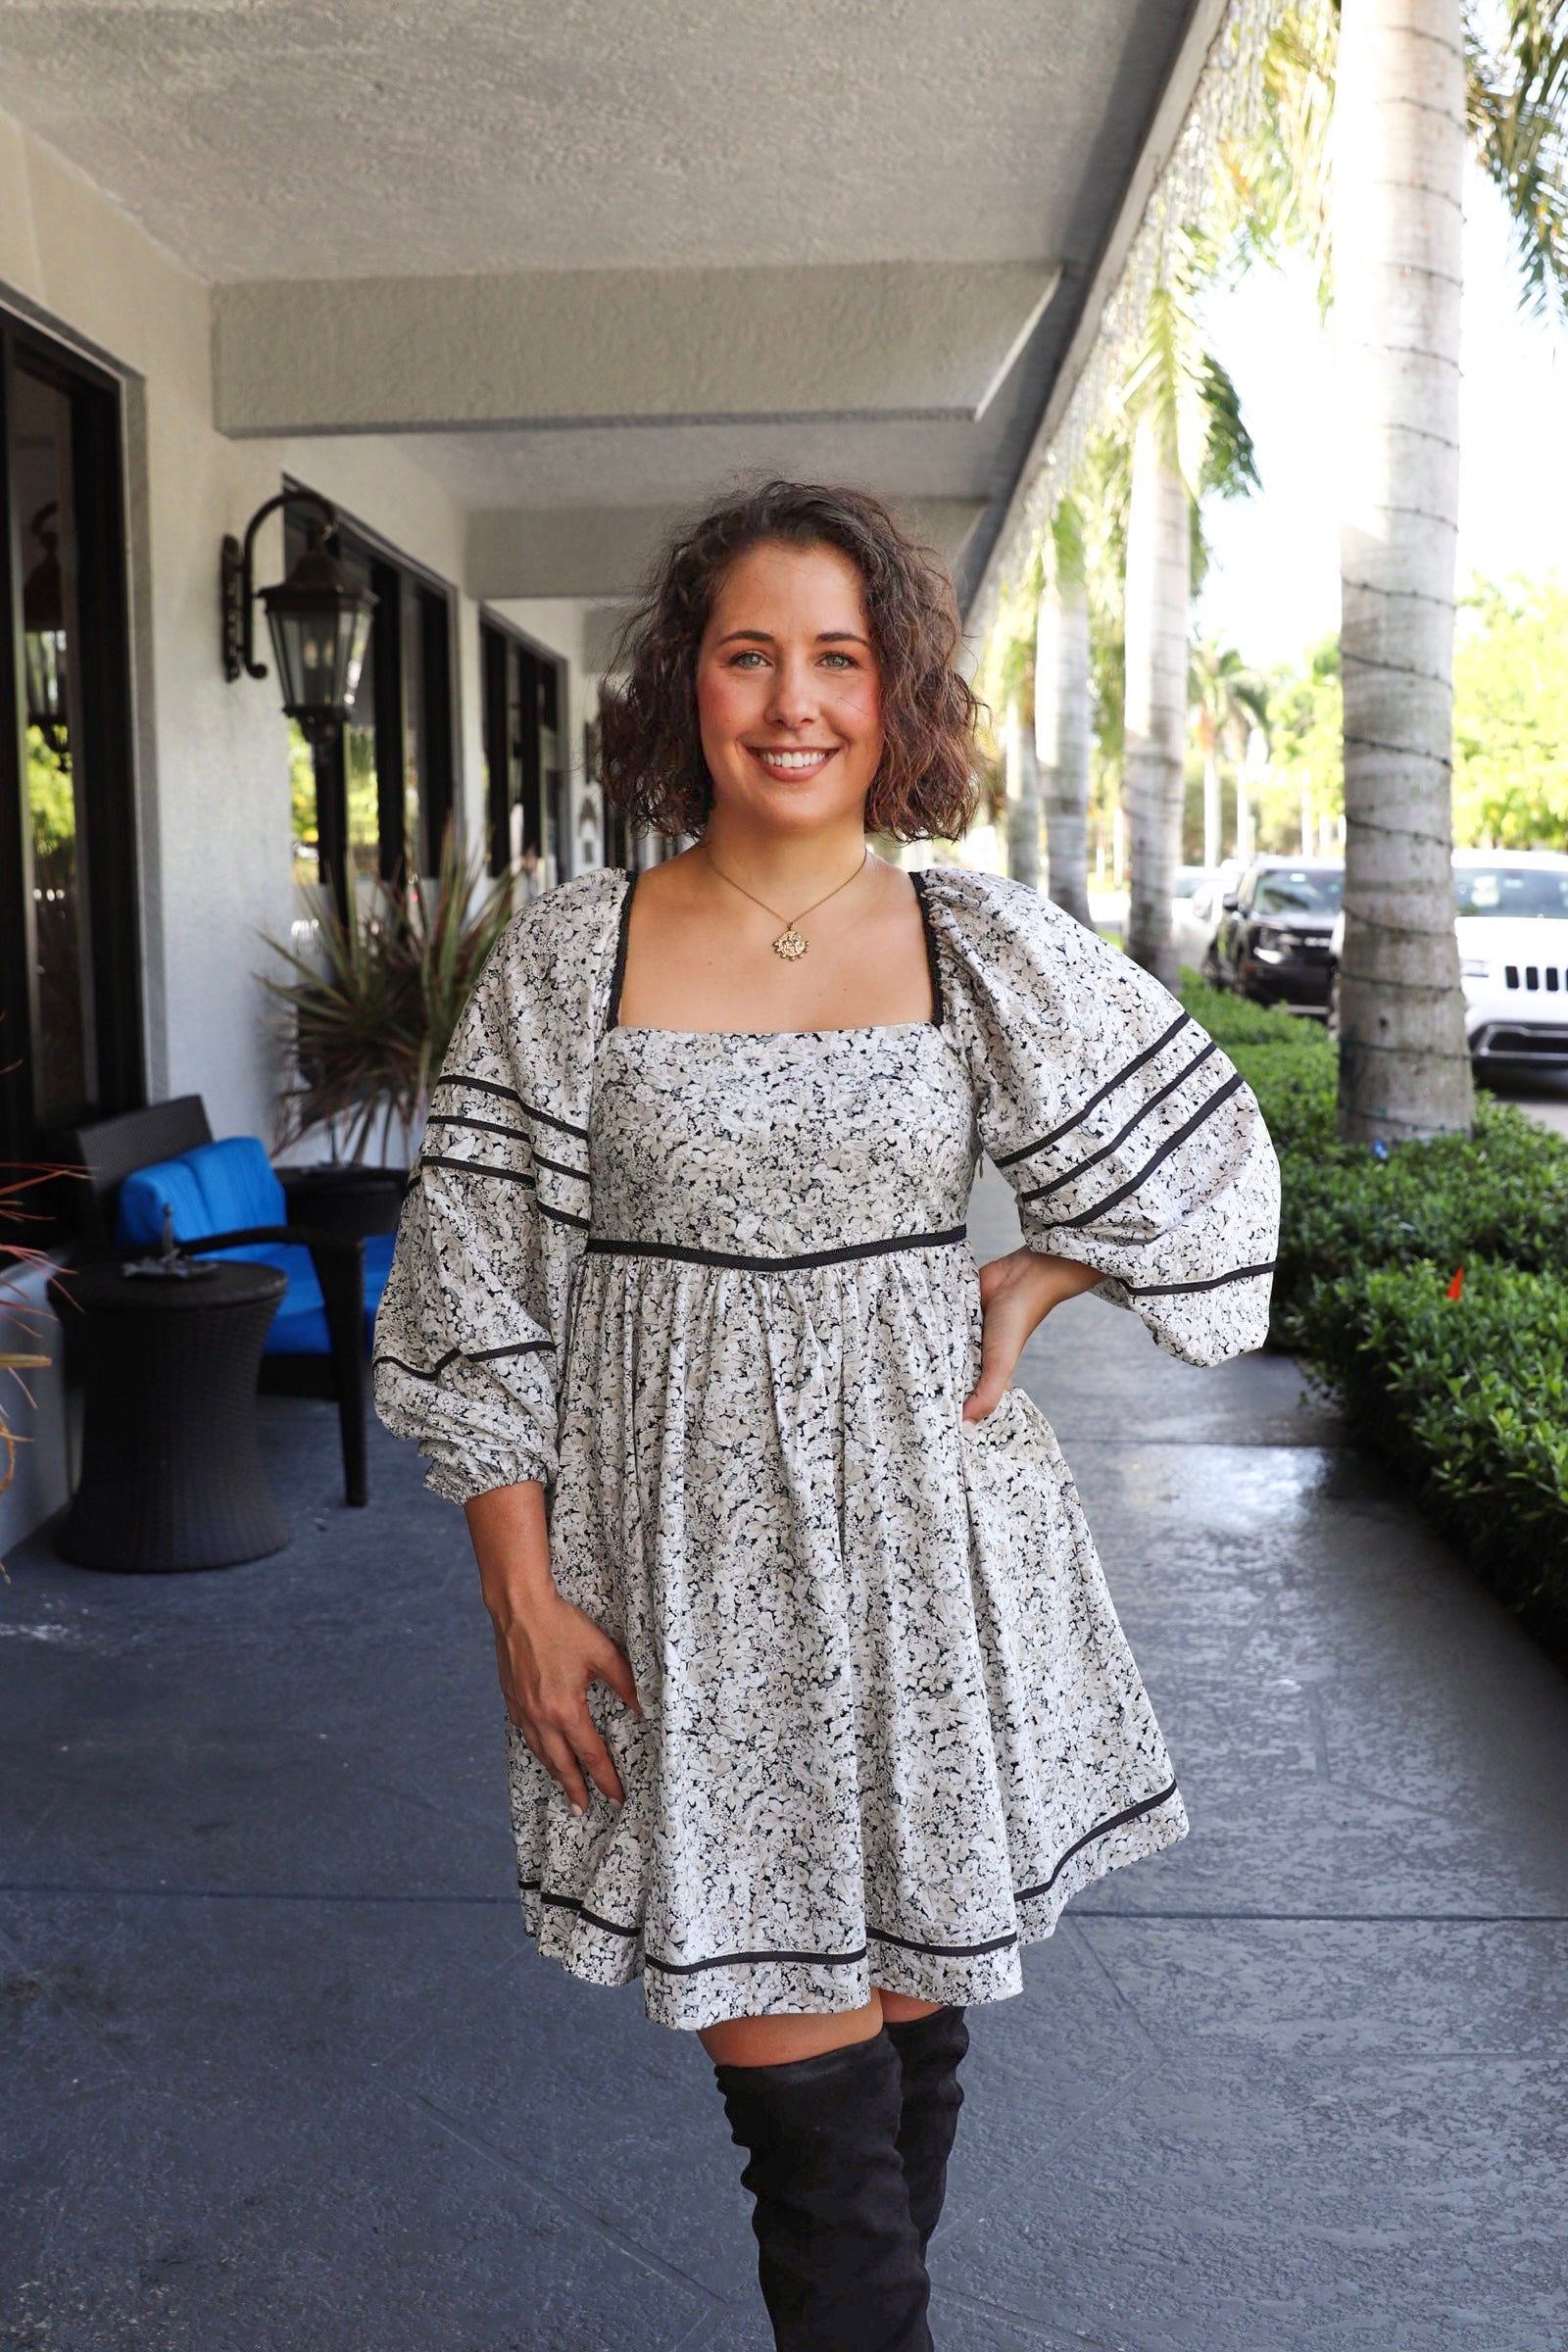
(213, 758)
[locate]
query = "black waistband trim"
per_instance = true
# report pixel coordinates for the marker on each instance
(605, 1245)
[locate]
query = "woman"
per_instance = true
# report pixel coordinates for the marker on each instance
(817, 1706)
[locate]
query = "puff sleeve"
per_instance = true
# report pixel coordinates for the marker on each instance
(470, 1332)
(1130, 1142)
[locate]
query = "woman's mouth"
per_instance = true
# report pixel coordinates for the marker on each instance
(779, 761)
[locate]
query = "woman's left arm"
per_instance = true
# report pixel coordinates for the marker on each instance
(1016, 1294)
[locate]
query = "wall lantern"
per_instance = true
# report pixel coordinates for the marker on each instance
(43, 637)
(318, 620)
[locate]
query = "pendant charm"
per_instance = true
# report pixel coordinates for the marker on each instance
(790, 945)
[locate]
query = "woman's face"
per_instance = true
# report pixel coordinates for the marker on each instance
(789, 699)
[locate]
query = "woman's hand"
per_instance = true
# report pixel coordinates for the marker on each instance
(547, 1649)
(1017, 1293)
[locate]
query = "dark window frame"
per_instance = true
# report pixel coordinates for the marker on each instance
(546, 827)
(395, 577)
(105, 743)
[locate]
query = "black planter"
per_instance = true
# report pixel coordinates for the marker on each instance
(341, 1197)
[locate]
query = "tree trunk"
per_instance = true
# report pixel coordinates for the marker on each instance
(1399, 116)
(1023, 795)
(1213, 852)
(1159, 595)
(1061, 740)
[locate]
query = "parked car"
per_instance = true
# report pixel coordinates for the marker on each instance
(1511, 919)
(1196, 909)
(1273, 940)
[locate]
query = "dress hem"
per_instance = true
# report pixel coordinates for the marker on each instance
(689, 1995)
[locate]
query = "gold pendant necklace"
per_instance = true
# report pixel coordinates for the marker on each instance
(789, 945)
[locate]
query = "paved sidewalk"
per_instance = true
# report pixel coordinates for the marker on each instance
(280, 2075)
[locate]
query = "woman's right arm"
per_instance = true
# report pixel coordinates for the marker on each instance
(547, 1651)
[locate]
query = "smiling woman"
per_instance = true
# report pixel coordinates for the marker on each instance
(817, 1707)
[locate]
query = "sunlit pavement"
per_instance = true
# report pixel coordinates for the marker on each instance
(1541, 1097)
(281, 2075)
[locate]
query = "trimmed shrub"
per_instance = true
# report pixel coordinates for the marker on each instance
(1468, 1396)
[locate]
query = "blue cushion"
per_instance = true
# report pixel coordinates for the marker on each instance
(225, 1187)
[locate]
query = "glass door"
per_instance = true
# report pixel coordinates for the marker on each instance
(70, 978)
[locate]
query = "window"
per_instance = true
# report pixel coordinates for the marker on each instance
(524, 758)
(71, 1046)
(1298, 890)
(1541, 892)
(375, 802)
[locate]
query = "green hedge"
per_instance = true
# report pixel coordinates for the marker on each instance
(1468, 1396)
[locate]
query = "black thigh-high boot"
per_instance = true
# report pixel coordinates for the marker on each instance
(930, 2050)
(838, 2255)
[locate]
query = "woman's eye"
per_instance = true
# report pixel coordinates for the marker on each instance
(751, 654)
(848, 660)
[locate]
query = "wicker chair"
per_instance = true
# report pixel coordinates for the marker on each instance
(226, 1200)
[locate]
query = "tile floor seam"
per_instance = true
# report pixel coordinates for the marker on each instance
(584, 2215)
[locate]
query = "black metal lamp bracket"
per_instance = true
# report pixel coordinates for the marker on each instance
(238, 585)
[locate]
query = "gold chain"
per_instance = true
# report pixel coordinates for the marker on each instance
(789, 944)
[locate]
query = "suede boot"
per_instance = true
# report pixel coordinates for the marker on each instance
(930, 2050)
(838, 2255)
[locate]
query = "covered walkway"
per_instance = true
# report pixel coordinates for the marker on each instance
(280, 2072)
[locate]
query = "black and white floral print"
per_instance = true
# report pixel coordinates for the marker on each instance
(714, 1287)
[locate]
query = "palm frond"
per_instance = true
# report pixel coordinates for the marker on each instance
(1517, 109)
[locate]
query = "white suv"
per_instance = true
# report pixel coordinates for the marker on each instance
(1511, 917)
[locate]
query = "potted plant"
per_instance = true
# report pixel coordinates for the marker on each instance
(368, 1019)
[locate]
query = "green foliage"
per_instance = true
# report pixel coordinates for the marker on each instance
(371, 1017)
(1517, 105)
(1510, 720)
(1468, 1396)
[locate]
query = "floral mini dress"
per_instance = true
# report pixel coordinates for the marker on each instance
(889, 1722)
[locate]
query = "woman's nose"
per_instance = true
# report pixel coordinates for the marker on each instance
(793, 701)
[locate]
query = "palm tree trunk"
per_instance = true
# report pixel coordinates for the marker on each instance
(1023, 795)
(1400, 133)
(1159, 595)
(1061, 740)
(1213, 852)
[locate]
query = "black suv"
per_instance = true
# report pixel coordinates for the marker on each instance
(1272, 944)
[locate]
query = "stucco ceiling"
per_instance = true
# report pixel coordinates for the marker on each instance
(883, 217)
(345, 138)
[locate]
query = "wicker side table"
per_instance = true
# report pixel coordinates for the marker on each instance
(172, 1470)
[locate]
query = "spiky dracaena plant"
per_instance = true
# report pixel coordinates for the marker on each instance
(369, 1018)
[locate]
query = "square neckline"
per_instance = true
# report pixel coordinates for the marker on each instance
(614, 1026)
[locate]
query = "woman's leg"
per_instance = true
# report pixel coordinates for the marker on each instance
(817, 2102)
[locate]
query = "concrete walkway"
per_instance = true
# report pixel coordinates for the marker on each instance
(279, 2074)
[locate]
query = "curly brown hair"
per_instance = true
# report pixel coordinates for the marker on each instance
(651, 762)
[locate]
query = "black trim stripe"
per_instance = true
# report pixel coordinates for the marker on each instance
(907, 1943)
(474, 1167)
(1026, 1894)
(605, 1245)
(562, 1217)
(944, 1951)
(1171, 1144)
(617, 975)
(412, 1370)
(1042, 1191)
(451, 1118)
(932, 966)
(510, 1094)
(1011, 1160)
(559, 1167)
(470, 1356)
(1213, 1282)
